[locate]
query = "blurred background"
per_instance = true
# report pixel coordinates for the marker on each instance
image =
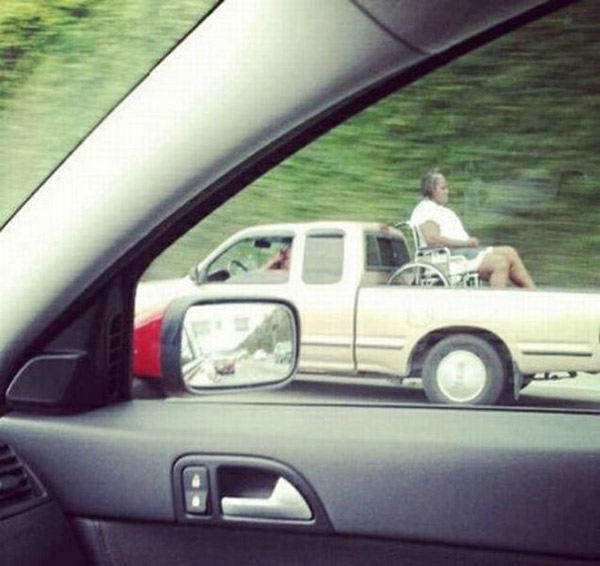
(514, 126)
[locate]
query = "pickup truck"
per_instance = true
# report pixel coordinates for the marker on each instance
(469, 345)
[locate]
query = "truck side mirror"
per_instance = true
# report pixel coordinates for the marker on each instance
(194, 274)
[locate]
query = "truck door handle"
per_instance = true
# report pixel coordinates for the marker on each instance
(285, 502)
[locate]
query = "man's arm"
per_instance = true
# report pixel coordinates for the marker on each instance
(430, 231)
(276, 262)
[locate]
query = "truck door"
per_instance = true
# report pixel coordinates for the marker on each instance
(326, 301)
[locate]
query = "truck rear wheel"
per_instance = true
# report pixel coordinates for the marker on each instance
(419, 274)
(464, 370)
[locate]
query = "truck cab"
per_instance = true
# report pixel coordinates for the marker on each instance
(469, 345)
(328, 263)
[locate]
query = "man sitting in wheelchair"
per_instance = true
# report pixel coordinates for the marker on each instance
(436, 225)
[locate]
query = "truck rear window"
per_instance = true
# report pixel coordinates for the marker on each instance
(384, 252)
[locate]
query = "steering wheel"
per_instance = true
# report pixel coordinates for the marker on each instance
(235, 263)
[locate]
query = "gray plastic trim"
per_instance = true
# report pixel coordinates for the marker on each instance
(511, 480)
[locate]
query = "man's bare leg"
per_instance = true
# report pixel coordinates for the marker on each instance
(495, 269)
(517, 272)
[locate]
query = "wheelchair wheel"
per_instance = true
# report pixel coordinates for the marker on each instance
(464, 370)
(419, 274)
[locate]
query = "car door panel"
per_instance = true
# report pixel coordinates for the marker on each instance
(38, 536)
(413, 475)
(124, 543)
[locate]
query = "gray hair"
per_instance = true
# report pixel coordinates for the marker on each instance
(429, 181)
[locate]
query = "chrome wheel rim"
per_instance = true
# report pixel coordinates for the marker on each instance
(461, 376)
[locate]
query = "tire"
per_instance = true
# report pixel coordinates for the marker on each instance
(464, 370)
(419, 275)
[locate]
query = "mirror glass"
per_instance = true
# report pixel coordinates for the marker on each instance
(237, 344)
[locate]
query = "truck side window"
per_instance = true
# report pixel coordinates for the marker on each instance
(253, 260)
(323, 258)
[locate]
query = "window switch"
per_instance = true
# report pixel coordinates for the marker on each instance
(196, 478)
(195, 489)
(196, 502)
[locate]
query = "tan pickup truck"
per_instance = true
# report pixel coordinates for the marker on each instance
(469, 345)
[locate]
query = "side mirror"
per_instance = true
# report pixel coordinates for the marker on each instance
(216, 345)
(194, 274)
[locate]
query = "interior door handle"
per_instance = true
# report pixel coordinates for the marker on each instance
(285, 502)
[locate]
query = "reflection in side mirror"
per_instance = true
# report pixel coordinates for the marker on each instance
(241, 344)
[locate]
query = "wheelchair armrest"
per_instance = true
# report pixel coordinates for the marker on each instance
(433, 248)
(436, 249)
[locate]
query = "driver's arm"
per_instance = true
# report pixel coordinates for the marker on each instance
(274, 262)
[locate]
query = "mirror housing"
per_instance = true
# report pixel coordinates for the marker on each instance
(194, 274)
(217, 345)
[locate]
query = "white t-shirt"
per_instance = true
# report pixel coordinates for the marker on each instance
(449, 223)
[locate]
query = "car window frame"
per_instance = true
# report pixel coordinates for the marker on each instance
(125, 271)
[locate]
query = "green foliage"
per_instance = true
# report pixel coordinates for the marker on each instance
(514, 125)
(276, 328)
(63, 65)
(27, 29)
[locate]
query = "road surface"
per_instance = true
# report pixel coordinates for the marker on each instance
(582, 392)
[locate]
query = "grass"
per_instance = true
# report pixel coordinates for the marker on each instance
(63, 65)
(514, 125)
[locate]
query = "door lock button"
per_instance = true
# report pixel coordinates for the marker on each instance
(196, 502)
(196, 490)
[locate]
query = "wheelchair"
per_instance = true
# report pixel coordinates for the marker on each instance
(432, 266)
